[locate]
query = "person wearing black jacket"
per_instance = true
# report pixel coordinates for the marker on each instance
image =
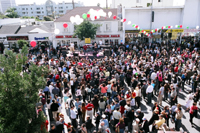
(88, 124)
(131, 114)
(95, 102)
(98, 118)
(53, 129)
(140, 115)
(54, 108)
(145, 125)
(59, 126)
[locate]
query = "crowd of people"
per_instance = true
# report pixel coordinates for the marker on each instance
(103, 95)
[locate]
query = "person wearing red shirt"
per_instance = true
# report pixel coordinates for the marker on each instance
(85, 48)
(89, 108)
(103, 89)
(193, 112)
(88, 77)
(176, 69)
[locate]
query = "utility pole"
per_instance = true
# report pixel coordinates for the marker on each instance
(73, 3)
(151, 21)
(106, 4)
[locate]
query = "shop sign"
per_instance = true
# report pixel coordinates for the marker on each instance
(67, 36)
(147, 31)
(59, 36)
(15, 38)
(132, 31)
(106, 36)
(191, 30)
(87, 40)
(175, 30)
(41, 38)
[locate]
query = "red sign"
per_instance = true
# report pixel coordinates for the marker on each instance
(59, 36)
(15, 38)
(115, 35)
(67, 36)
(106, 36)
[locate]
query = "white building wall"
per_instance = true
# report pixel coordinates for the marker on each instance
(5, 4)
(143, 3)
(33, 10)
(191, 13)
(162, 17)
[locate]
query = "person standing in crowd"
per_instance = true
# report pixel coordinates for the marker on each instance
(54, 108)
(149, 92)
(89, 108)
(88, 124)
(145, 125)
(73, 114)
(116, 116)
(193, 113)
(160, 95)
(178, 117)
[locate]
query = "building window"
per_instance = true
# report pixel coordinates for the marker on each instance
(116, 41)
(60, 11)
(60, 7)
(159, 0)
(38, 12)
(149, 4)
(37, 8)
(42, 8)
(31, 8)
(66, 6)
(26, 8)
(120, 26)
(42, 12)
(31, 12)
(23, 12)
(55, 7)
(138, 1)
(108, 27)
(23, 8)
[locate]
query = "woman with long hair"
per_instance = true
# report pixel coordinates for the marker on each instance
(83, 110)
(121, 125)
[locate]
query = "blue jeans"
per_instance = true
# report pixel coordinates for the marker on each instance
(43, 109)
(177, 124)
(121, 130)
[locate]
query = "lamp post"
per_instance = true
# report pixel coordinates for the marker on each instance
(151, 20)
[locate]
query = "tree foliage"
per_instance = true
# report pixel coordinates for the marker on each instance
(19, 94)
(21, 43)
(86, 30)
(46, 18)
(11, 13)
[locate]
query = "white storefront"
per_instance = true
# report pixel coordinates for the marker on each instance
(110, 31)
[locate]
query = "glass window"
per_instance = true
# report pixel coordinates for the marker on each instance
(116, 41)
(111, 41)
(108, 28)
(159, 0)
(138, 1)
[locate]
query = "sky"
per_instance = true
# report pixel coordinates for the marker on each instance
(85, 2)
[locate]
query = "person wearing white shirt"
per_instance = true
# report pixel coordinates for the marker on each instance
(153, 76)
(149, 91)
(73, 117)
(50, 90)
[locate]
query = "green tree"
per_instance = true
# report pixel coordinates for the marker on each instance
(11, 13)
(2, 16)
(21, 43)
(86, 30)
(19, 94)
(46, 18)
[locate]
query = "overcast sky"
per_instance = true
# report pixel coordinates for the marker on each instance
(85, 2)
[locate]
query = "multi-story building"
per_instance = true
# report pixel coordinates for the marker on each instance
(146, 3)
(109, 32)
(50, 8)
(5, 4)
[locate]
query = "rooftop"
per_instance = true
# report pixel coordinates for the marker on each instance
(81, 10)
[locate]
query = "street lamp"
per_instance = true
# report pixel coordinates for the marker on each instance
(152, 15)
